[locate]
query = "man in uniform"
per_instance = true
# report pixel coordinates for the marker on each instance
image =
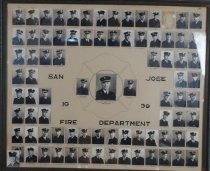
(99, 40)
(71, 157)
(19, 60)
(194, 63)
(127, 22)
(72, 40)
(181, 63)
(164, 142)
(155, 42)
(30, 99)
(32, 158)
(193, 102)
(58, 158)
(33, 59)
(137, 160)
(30, 138)
(46, 20)
(193, 122)
(18, 79)
(84, 138)
(72, 137)
(153, 62)
(21, 154)
(124, 159)
(114, 21)
(151, 160)
(73, 20)
(164, 120)
(17, 119)
(112, 140)
(97, 158)
(58, 137)
(86, 41)
(142, 41)
(45, 59)
(180, 101)
(83, 88)
(32, 20)
(192, 142)
(59, 59)
(130, 90)
(59, 20)
(19, 99)
(196, 22)
(163, 161)
(30, 79)
(104, 93)
(113, 40)
(195, 83)
(30, 119)
(179, 121)
(150, 141)
(126, 42)
(181, 23)
(101, 19)
(17, 40)
(192, 161)
(178, 161)
(17, 138)
(44, 40)
(43, 119)
(126, 140)
(44, 137)
(166, 63)
(13, 160)
(168, 43)
(18, 20)
(154, 22)
(97, 139)
(181, 41)
(141, 22)
(165, 102)
(112, 159)
(45, 158)
(86, 20)
(58, 39)
(84, 158)
(179, 141)
(138, 140)
(32, 40)
(45, 99)
(193, 43)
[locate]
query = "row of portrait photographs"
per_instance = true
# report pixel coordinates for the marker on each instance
(179, 118)
(98, 155)
(141, 137)
(90, 37)
(32, 96)
(180, 98)
(103, 18)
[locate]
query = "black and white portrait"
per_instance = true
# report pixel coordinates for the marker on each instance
(82, 86)
(44, 135)
(18, 17)
(130, 87)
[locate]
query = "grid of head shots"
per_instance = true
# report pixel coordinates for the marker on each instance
(41, 38)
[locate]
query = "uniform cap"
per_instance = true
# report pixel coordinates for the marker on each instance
(115, 12)
(164, 152)
(72, 150)
(182, 15)
(86, 12)
(154, 53)
(137, 151)
(83, 80)
(19, 70)
(127, 33)
(166, 93)
(18, 51)
(59, 31)
(140, 33)
(138, 131)
(168, 34)
(30, 149)
(100, 32)
(12, 154)
(19, 90)
(193, 133)
(85, 150)
(194, 55)
(19, 31)
(30, 130)
(178, 132)
(44, 110)
(87, 31)
(84, 130)
(192, 153)
(124, 151)
(192, 94)
(59, 51)
(45, 31)
(180, 34)
(167, 53)
(57, 129)
(180, 73)
(180, 93)
(73, 11)
(60, 12)
(30, 110)
(155, 13)
(31, 90)
(142, 13)
(101, 12)
(32, 51)
(151, 132)
(73, 32)
(178, 152)
(45, 90)
(18, 148)
(44, 149)
(17, 129)
(193, 113)
(46, 11)
(17, 110)
(97, 130)
(154, 34)
(46, 51)
(182, 54)
(71, 130)
(130, 81)
(31, 70)
(105, 79)
(31, 11)
(166, 113)
(112, 150)
(111, 130)
(45, 129)
(125, 131)
(32, 31)
(196, 14)
(178, 113)
(164, 132)
(194, 74)
(151, 151)
(128, 12)
(19, 11)
(113, 32)
(98, 150)
(58, 149)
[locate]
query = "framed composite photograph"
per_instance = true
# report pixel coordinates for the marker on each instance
(106, 86)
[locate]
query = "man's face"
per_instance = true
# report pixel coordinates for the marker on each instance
(179, 136)
(166, 97)
(141, 37)
(44, 114)
(168, 37)
(180, 77)
(46, 55)
(33, 35)
(181, 58)
(193, 98)
(195, 59)
(17, 114)
(181, 38)
(30, 133)
(59, 153)
(33, 55)
(152, 155)
(84, 84)
(127, 37)
(59, 36)
(180, 97)
(111, 155)
(127, 17)
(155, 17)
(193, 117)
(196, 19)
(31, 15)
(31, 74)
(182, 18)
(45, 94)
(178, 156)
(142, 17)
(87, 36)
(165, 156)
(193, 157)
(86, 16)
(115, 16)
(18, 35)
(195, 78)
(99, 36)
(124, 154)
(72, 134)
(58, 133)
(98, 154)
(19, 15)
(153, 56)
(98, 134)
(179, 117)
(84, 134)
(151, 136)
(59, 55)
(30, 94)
(18, 55)
(165, 117)
(106, 85)
(124, 136)
(192, 137)
(71, 154)
(45, 35)
(30, 114)
(113, 36)
(165, 136)
(112, 134)
(72, 15)
(45, 153)
(101, 16)
(19, 95)
(60, 15)
(44, 133)
(19, 74)
(154, 38)
(72, 35)
(137, 154)
(138, 135)
(30, 152)
(166, 57)
(130, 86)
(85, 154)
(17, 133)
(46, 15)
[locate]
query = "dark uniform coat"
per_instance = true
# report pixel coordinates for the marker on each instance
(59, 22)
(19, 61)
(180, 103)
(85, 42)
(129, 92)
(43, 100)
(126, 43)
(82, 91)
(32, 159)
(97, 160)
(113, 141)
(163, 162)
(44, 159)
(138, 161)
(164, 143)
(17, 120)
(83, 159)
(138, 142)
(29, 120)
(86, 140)
(112, 161)
(16, 139)
(99, 42)
(17, 80)
(31, 21)
(166, 44)
(32, 61)
(124, 161)
(18, 21)
(181, 84)
(31, 80)
(43, 120)
(72, 140)
(142, 43)
(191, 162)
(178, 123)
(18, 100)
(194, 65)
(180, 24)
(155, 43)
(126, 141)
(46, 21)
(166, 64)
(44, 140)
(69, 159)
(163, 123)
(59, 139)
(34, 41)
(191, 143)
(102, 22)
(59, 61)
(100, 95)
(58, 159)
(113, 42)
(193, 103)
(140, 23)
(192, 45)
(165, 104)
(58, 42)
(193, 123)
(150, 142)
(85, 22)
(179, 64)
(179, 162)
(180, 44)
(153, 63)
(126, 23)
(112, 22)
(30, 140)
(180, 143)
(17, 41)
(196, 25)
(30, 100)
(96, 140)
(45, 42)
(45, 61)
(151, 161)
(154, 23)
(72, 42)
(73, 22)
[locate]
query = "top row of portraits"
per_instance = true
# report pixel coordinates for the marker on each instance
(111, 18)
